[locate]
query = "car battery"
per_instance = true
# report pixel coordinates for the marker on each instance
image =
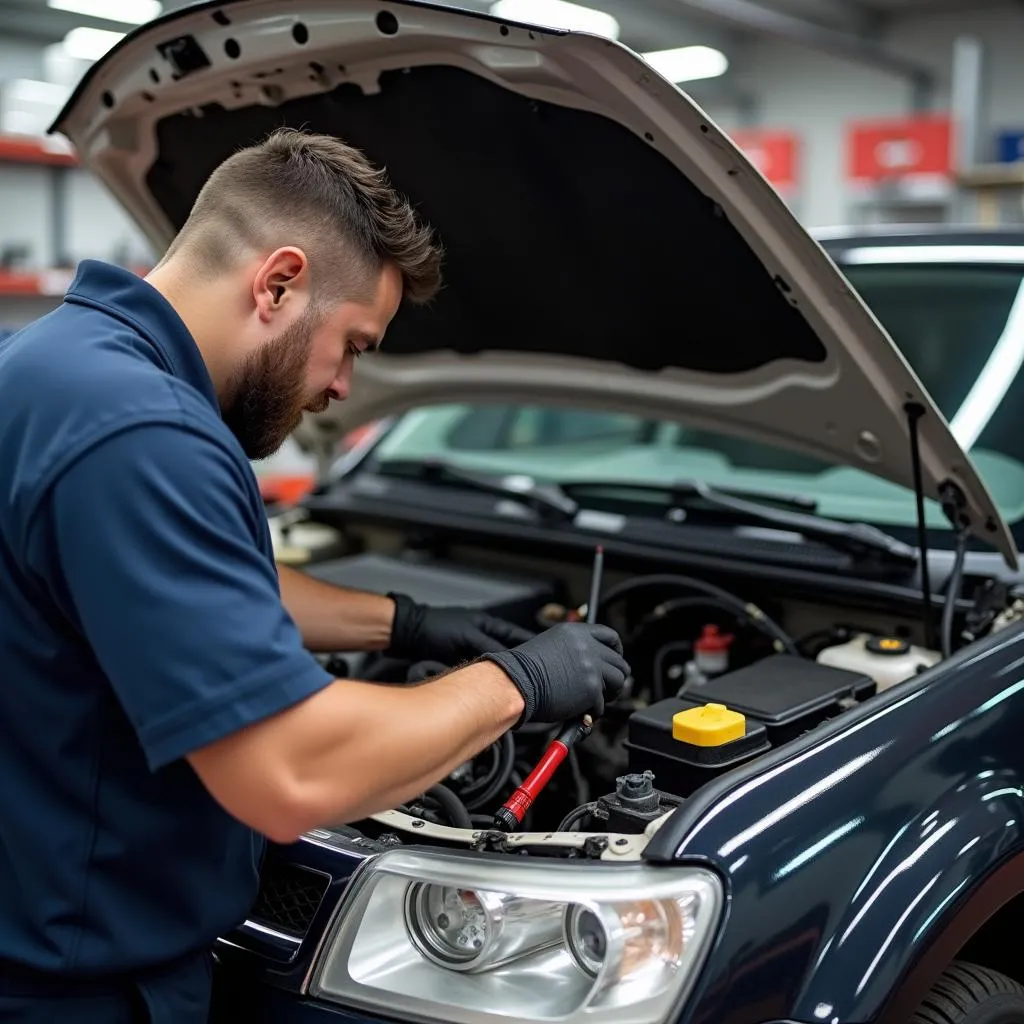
(686, 744)
(789, 695)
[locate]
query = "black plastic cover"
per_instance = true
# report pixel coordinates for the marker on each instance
(790, 695)
(440, 584)
(680, 768)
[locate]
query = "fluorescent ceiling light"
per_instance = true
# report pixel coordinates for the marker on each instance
(688, 63)
(90, 43)
(558, 14)
(129, 12)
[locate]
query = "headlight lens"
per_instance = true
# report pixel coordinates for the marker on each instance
(450, 937)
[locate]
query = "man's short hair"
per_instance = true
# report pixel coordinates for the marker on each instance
(317, 193)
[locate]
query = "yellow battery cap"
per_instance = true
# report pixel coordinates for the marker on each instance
(709, 726)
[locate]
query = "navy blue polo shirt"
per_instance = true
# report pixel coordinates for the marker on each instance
(140, 619)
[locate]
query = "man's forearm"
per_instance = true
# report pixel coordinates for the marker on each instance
(356, 748)
(389, 755)
(333, 618)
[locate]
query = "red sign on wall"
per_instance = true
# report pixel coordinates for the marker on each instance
(878, 151)
(774, 153)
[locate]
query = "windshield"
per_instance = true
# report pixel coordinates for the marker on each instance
(960, 327)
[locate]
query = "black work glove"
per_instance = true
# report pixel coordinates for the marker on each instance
(448, 635)
(566, 671)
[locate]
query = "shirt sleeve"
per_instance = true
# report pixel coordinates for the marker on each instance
(155, 552)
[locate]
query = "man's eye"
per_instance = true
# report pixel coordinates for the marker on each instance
(355, 350)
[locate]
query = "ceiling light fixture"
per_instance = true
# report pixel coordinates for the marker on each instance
(688, 63)
(128, 12)
(90, 43)
(558, 14)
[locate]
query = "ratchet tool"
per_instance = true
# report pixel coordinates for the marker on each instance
(510, 815)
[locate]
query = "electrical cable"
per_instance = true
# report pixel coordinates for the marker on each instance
(475, 786)
(576, 815)
(453, 807)
(956, 578)
(658, 670)
(663, 610)
(747, 610)
(506, 759)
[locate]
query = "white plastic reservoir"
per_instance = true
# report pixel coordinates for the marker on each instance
(886, 659)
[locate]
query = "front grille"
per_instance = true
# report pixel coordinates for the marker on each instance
(288, 898)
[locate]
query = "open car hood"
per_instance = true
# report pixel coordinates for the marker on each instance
(607, 246)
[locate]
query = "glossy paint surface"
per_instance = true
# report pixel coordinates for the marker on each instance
(844, 854)
(847, 853)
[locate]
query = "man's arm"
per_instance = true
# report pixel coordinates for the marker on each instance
(332, 618)
(164, 579)
(355, 748)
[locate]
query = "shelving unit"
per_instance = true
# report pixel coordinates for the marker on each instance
(998, 191)
(46, 282)
(31, 286)
(20, 150)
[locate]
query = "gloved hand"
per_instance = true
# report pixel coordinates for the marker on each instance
(448, 635)
(566, 671)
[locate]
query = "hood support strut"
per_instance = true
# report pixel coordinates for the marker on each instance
(953, 505)
(915, 411)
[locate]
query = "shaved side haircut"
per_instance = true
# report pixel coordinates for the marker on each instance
(321, 195)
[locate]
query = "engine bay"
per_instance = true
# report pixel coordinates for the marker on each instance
(718, 680)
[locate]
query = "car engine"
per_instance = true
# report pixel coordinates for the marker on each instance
(717, 682)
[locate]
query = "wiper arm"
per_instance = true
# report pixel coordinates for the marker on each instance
(679, 490)
(549, 501)
(859, 539)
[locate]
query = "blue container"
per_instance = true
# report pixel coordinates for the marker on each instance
(1010, 147)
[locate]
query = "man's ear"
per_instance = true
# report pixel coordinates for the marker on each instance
(280, 281)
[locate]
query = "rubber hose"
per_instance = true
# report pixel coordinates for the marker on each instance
(575, 815)
(952, 593)
(452, 806)
(507, 757)
(772, 628)
(675, 604)
(658, 670)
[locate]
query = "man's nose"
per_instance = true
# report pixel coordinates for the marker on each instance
(339, 386)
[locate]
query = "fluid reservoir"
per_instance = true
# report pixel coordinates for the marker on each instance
(886, 659)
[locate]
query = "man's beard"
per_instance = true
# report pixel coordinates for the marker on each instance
(266, 398)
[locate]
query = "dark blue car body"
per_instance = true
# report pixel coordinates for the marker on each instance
(857, 861)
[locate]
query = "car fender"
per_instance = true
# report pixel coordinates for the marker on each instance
(924, 879)
(846, 853)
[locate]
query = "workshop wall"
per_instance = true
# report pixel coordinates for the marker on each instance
(770, 84)
(814, 94)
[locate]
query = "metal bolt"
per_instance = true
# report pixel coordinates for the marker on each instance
(417, 824)
(621, 842)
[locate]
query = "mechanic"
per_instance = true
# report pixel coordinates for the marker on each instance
(162, 710)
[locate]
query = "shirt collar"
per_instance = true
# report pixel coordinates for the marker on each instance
(135, 302)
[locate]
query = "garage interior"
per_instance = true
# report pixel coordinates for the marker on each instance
(893, 132)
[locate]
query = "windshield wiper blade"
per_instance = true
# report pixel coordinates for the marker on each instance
(549, 501)
(682, 489)
(860, 539)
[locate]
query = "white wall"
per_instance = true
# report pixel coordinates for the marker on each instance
(813, 94)
(792, 88)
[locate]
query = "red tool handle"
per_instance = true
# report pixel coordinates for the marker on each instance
(510, 815)
(522, 799)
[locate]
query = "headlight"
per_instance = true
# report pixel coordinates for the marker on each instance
(451, 937)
